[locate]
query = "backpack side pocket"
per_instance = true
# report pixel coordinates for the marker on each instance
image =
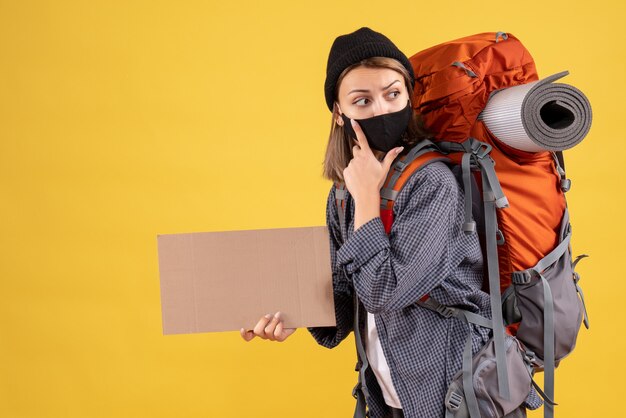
(566, 305)
(485, 383)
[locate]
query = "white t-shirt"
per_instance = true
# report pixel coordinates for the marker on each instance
(378, 362)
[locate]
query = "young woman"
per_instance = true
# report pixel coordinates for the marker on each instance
(413, 352)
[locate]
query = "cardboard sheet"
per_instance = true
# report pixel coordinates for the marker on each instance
(223, 281)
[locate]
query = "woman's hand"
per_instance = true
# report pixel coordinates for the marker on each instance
(364, 176)
(269, 328)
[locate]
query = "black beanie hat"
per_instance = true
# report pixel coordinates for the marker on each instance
(356, 46)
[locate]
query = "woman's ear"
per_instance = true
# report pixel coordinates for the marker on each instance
(338, 113)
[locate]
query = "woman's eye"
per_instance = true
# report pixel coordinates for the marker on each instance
(363, 101)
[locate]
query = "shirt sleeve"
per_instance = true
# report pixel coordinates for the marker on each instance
(391, 272)
(342, 288)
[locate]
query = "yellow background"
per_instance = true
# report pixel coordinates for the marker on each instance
(120, 120)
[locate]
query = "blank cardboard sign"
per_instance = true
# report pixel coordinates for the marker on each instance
(223, 281)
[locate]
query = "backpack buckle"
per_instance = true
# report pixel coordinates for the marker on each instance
(521, 277)
(454, 401)
(480, 149)
(469, 227)
(399, 166)
(446, 311)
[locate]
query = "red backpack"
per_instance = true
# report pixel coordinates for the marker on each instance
(523, 219)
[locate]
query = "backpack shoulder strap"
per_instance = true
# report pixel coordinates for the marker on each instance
(422, 154)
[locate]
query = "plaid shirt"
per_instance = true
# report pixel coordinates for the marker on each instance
(426, 252)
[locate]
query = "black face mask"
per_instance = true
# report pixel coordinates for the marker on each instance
(383, 132)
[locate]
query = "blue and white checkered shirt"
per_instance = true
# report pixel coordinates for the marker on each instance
(426, 252)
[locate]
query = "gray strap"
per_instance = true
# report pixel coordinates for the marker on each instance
(449, 311)
(488, 168)
(359, 410)
(553, 255)
(579, 290)
(529, 361)
(541, 392)
(580, 257)
(548, 344)
(481, 152)
(493, 272)
(340, 196)
(389, 194)
(503, 35)
(468, 387)
(361, 390)
(469, 226)
(421, 148)
(418, 149)
(582, 299)
(448, 146)
(524, 276)
(476, 319)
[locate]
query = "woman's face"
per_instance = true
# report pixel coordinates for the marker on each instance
(366, 92)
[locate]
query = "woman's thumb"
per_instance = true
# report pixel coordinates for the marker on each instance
(391, 155)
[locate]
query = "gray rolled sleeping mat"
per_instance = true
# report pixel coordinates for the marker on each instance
(538, 116)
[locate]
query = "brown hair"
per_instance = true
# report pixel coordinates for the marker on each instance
(339, 148)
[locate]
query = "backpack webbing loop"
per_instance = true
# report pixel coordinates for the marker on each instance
(503, 35)
(463, 67)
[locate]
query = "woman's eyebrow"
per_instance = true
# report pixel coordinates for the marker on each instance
(367, 91)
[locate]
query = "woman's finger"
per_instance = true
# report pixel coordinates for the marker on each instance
(259, 329)
(390, 157)
(360, 136)
(246, 334)
(282, 333)
(271, 327)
